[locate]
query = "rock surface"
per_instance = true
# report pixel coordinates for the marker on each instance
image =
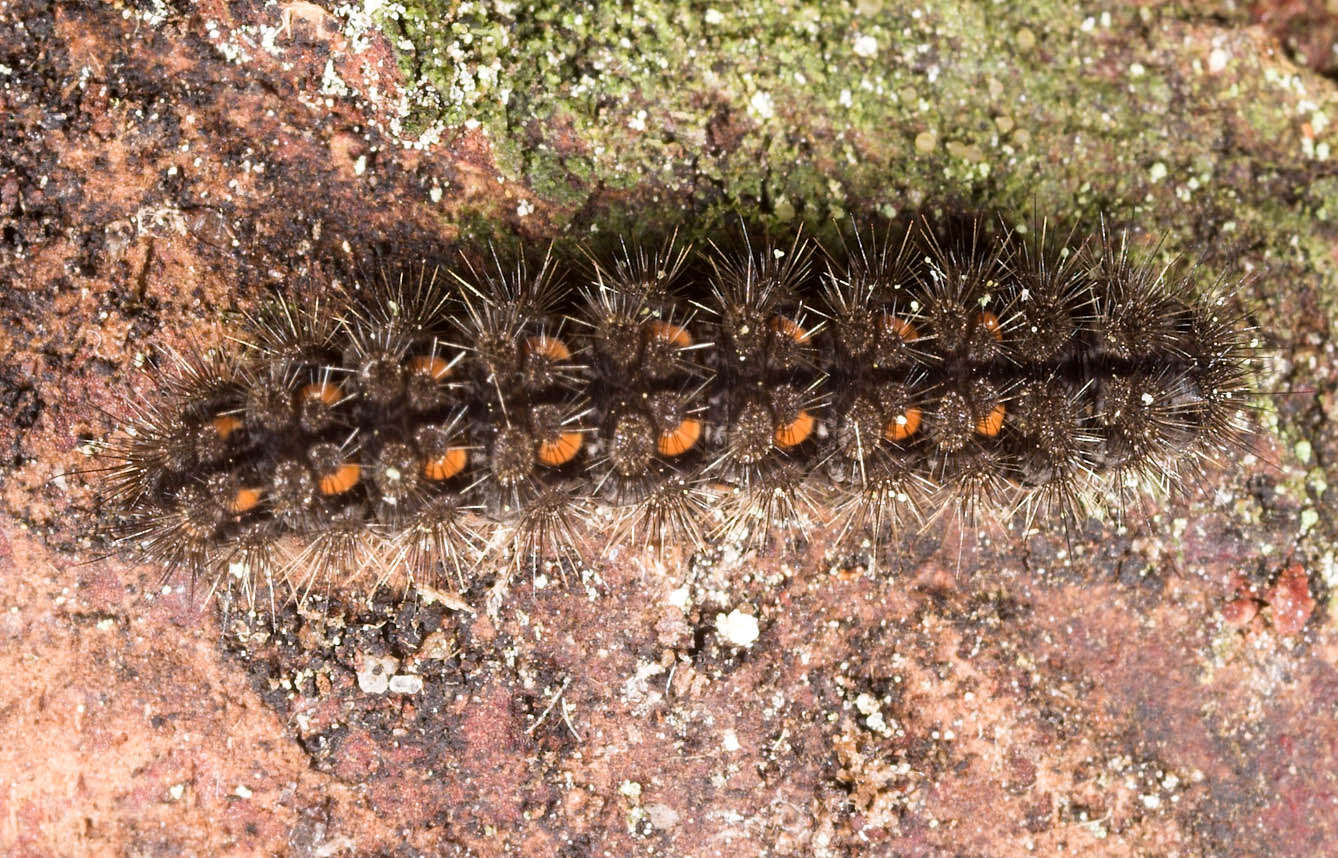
(1167, 689)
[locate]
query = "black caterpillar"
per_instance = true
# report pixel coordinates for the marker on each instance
(417, 426)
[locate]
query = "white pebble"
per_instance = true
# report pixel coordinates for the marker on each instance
(374, 675)
(737, 627)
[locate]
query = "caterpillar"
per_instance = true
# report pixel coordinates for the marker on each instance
(417, 425)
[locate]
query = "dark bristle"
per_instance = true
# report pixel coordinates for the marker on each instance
(285, 331)
(952, 421)
(670, 512)
(880, 496)
(1139, 313)
(780, 494)
(179, 532)
(1057, 456)
(873, 322)
(974, 482)
(1051, 304)
(750, 434)
(547, 526)
(380, 377)
(755, 307)
(396, 472)
(268, 404)
(631, 444)
(500, 311)
(437, 540)
(963, 296)
(292, 494)
(860, 428)
(511, 457)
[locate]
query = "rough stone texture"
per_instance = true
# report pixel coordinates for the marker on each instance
(1169, 689)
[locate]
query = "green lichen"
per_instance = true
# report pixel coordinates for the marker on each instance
(808, 110)
(671, 113)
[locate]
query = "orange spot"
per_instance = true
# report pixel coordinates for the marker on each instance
(991, 423)
(244, 500)
(795, 432)
(225, 425)
(550, 347)
(560, 450)
(345, 477)
(903, 426)
(904, 330)
(447, 465)
(430, 365)
(681, 439)
(849, 573)
(790, 328)
(991, 323)
(325, 391)
(675, 334)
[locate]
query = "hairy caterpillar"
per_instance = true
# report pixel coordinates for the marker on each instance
(416, 425)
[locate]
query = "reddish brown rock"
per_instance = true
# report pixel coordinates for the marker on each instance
(1289, 600)
(1026, 693)
(1240, 610)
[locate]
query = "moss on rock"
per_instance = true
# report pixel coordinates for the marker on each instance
(808, 110)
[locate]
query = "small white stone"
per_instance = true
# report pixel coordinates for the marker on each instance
(662, 816)
(762, 105)
(373, 683)
(1217, 60)
(406, 683)
(679, 598)
(737, 627)
(374, 675)
(730, 740)
(242, 791)
(865, 46)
